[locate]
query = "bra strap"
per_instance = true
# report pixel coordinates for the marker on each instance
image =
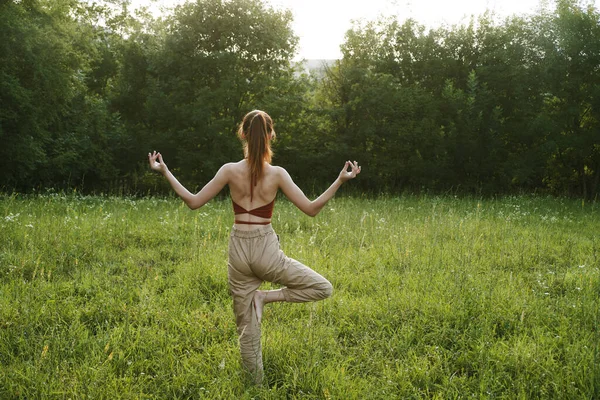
(252, 223)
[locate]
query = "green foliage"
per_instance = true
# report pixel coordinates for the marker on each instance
(217, 61)
(102, 87)
(434, 297)
(492, 106)
(55, 124)
(573, 99)
(35, 88)
(487, 107)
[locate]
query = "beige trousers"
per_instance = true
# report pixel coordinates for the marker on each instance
(254, 257)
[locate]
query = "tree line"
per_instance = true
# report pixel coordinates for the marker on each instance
(493, 106)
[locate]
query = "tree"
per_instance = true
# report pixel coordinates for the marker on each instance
(572, 51)
(219, 60)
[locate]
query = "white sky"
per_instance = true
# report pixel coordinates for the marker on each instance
(321, 24)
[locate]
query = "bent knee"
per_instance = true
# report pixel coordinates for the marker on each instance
(326, 290)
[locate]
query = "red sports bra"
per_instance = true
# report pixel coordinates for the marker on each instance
(265, 211)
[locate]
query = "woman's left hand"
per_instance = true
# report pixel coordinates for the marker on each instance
(159, 165)
(346, 175)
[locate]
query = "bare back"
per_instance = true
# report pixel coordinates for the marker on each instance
(263, 193)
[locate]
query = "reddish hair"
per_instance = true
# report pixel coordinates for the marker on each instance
(256, 131)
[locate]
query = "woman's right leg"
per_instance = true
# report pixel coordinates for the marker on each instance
(251, 262)
(301, 283)
(262, 297)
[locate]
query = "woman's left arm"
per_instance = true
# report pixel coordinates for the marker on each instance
(193, 201)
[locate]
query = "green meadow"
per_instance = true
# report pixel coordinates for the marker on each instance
(434, 297)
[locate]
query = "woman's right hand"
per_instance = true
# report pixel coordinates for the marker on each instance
(346, 175)
(159, 165)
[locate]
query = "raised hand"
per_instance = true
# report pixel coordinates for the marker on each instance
(346, 175)
(159, 165)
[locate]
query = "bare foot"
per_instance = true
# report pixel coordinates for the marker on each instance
(259, 303)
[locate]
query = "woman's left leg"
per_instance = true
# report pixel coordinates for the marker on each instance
(242, 286)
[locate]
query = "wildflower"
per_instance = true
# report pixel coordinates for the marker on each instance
(11, 217)
(45, 351)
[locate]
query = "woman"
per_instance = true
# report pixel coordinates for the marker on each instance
(254, 254)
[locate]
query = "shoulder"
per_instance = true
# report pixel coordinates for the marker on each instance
(277, 171)
(280, 175)
(227, 171)
(235, 164)
(231, 167)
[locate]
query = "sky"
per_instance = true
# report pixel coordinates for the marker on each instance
(322, 24)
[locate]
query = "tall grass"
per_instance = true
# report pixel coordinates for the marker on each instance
(434, 297)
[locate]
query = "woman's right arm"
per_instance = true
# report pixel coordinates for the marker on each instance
(312, 208)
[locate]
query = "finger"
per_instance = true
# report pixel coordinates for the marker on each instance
(160, 158)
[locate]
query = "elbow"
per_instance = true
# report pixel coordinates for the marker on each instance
(191, 205)
(195, 205)
(193, 202)
(312, 212)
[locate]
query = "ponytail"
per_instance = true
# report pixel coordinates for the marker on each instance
(256, 131)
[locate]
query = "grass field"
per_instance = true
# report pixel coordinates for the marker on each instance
(434, 297)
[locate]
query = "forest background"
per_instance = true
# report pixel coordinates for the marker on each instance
(495, 106)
